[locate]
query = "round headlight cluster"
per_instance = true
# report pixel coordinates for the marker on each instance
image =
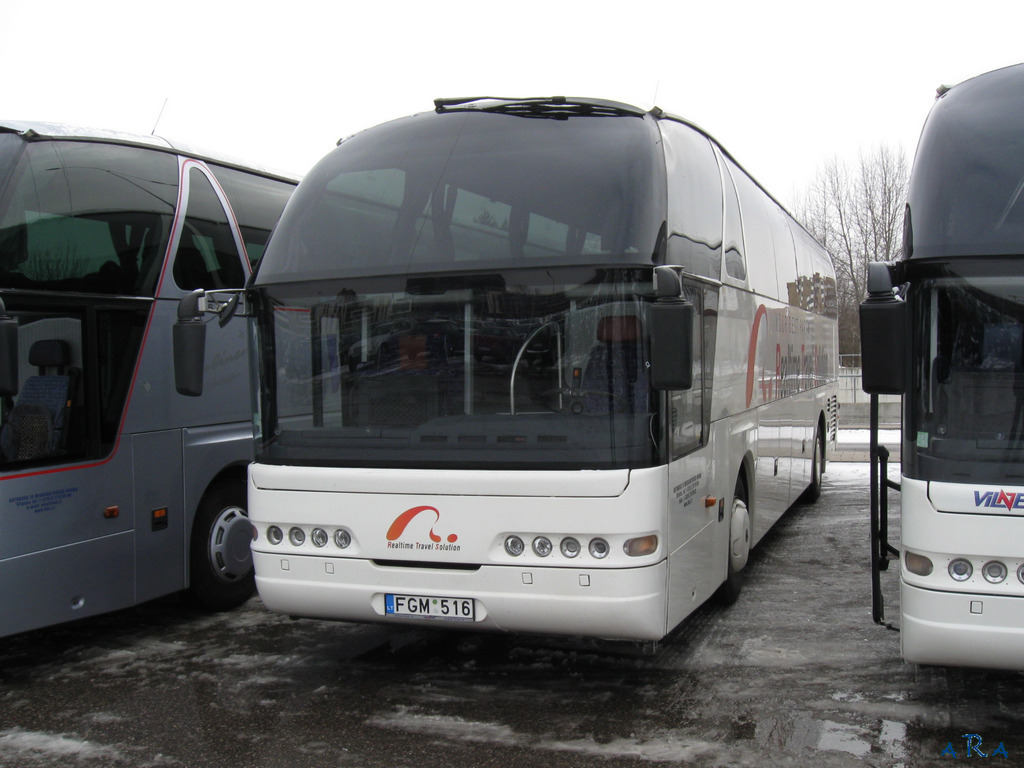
(993, 571)
(569, 546)
(319, 537)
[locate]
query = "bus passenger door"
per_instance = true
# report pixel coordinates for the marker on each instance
(172, 466)
(691, 521)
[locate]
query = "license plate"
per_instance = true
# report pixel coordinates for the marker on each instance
(424, 607)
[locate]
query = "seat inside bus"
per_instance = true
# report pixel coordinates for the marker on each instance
(37, 424)
(615, 378)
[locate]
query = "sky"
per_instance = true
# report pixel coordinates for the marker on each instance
(784, 85)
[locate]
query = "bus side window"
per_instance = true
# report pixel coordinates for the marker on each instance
(257, 202)
(694, 200)
(207, 256)
(735, 264)
(686, 408)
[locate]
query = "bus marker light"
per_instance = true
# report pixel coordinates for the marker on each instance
(644, 545)
(994, 571)
(297, 536)
(275, 535)
(570, 547)
(514, 546)
(961, 569)
(542, 546)
(342, 538)
(918, 564)
(599, 549)
(158, 519)
(111, 512)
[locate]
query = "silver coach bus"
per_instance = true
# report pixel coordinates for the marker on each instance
(114, 489)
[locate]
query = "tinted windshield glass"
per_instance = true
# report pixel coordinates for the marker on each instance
(967, 190)
(475, 190)
(517, 369)
(84, 217)
(967, 406)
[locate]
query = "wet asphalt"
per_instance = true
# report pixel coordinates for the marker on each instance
(794, 674)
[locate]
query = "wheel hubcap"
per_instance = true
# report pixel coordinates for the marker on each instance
(230, 537)
(739, 535)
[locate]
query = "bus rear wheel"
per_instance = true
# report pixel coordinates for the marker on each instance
(220, 556)
(813, 491)
(739, 546)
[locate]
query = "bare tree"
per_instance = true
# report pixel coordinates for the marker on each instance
(857, 215)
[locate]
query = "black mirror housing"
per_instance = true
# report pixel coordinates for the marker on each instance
(189, 341)
(883, 335)
(672, 344)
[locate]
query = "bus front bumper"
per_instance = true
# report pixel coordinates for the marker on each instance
(622, 604)
(961, 629)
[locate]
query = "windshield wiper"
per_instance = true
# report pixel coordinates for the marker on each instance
(553, 108)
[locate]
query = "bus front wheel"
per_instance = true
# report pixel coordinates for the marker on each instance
(220, 557)
(739, 545)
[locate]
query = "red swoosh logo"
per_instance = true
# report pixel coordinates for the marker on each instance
(402, 521)
(752, 351)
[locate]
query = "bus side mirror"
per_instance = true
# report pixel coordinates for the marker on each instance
(671, 319)
(189, 340)
(8, 353)
(883, 335)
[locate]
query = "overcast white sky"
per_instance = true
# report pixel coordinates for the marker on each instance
(784, 85)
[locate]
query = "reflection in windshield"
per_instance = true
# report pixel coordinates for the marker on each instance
(969, 388)
(540, 373)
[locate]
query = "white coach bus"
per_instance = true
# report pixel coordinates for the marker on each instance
(550, 366)
(114, 489)
(953, 345)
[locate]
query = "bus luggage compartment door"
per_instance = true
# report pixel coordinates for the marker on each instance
(67, 584)
(159, 518)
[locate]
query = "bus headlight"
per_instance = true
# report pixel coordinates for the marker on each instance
(342, 538)
(1020, 574)
(514, 546)
(570, 547)
(296, 536)
(542, 546)
(598, 549)
(275, 535)
(918, 564)
(319, 537)
(993, 571)
(961, 569)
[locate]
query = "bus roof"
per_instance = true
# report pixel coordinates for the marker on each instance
(43, 131)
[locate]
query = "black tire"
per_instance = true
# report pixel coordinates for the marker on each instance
(813, 491)
(220, 556)
(729, 592)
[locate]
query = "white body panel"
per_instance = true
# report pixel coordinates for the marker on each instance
(618, 596)
(974, 622)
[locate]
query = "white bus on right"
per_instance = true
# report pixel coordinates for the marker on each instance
(944, 327)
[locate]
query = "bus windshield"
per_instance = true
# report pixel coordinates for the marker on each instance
(511, 369)
(966, 194)
(84, 217)
(967, 394)
(430, 193)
